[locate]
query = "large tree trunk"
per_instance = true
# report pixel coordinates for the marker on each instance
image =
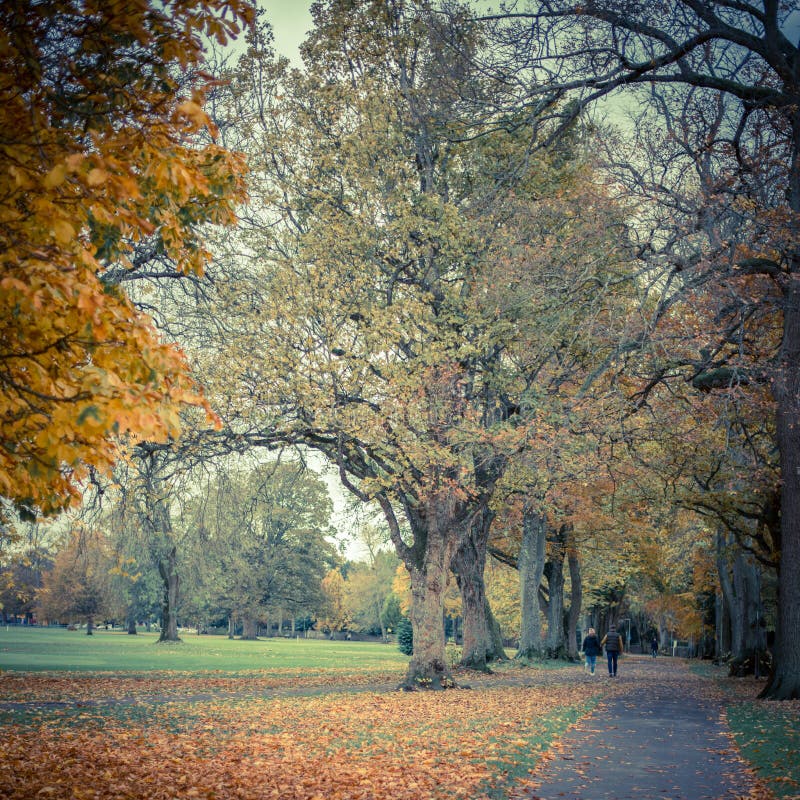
(553, 603)
(724, 600)
(729, 595)
(747, 591)
(468, 565)
(531, 568)
(740, 582)
(554, 607)
(576, 600)
(249, 629)
(435, 528)
(428, 666)
(131, 623)
(167, 568)
(722, 627)
(784, 681)
(498, 652)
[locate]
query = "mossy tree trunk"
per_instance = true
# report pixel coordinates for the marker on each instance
(435, 528)
(468, 564)
(531, 569)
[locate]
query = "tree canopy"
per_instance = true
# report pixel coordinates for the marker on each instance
(102, 171)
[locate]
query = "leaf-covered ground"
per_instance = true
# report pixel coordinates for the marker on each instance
(333, 736)
(460, 743)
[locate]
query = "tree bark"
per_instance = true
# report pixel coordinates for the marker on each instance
(468, 565)
(722, 643)
(167, 568)
(428, 666)
(747, 583)
(131, 624)
(725, 627)
(249, 629)
(531, 568)
(576, 600)
(435, 527)
(740, 582)
(784, 680)
(554, 574)
(495, 635)
(729, 595)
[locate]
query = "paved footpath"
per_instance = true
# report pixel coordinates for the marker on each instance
(657, 736)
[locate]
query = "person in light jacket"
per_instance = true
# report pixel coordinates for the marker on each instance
(613, 644)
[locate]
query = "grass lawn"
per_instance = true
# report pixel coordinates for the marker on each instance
(32, 649)
(767, 733)
(768, 736)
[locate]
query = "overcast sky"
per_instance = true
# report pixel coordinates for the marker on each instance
(290, 20)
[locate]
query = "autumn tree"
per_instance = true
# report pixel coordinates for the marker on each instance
(368, 587)
(78, 585)
(135, 580)
(100, 105)
(364, 362)
(334, 613)
(399, 267)
(733, 62)
(152, 485)
(718, 464)
(22, 566)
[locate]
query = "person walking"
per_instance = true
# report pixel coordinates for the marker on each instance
(613, 644)
(654, 645)
(591, 649)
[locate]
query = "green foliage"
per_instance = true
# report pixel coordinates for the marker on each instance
(259, 542)
(391, 613)
(405, 637)
(367, 589)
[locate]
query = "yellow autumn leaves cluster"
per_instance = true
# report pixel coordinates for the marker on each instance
(106, 164)
(340, 745)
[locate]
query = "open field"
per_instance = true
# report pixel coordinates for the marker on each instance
(32, 649)
(307, 720)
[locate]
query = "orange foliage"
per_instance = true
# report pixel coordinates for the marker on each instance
(100, 159)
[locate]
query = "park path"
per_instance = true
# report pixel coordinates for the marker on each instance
(659, 734)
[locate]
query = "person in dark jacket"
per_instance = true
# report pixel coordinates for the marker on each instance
(591, 649)
(613, 644)
(654, 645)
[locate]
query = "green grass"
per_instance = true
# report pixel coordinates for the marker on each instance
(516, 766)
(25, 649)
(768, 736)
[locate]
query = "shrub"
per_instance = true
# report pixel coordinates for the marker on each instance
(405, 637)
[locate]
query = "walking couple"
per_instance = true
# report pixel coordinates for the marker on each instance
(592, 647)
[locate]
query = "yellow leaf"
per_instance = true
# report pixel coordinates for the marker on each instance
(194, 112)
(63, 231)
(56, 176)
(97, 176)
(74, 161)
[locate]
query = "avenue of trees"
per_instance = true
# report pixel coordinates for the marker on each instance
(526, 282)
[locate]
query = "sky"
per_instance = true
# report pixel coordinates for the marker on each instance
(290, 20)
